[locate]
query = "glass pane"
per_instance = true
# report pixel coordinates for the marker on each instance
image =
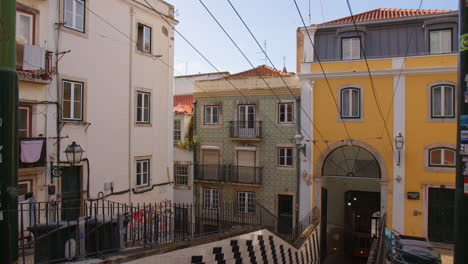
(242, 111)
(215, 115)
(448, 106)
(436, 157)
(138, 167)
(445, 41)
(79, 15)
(139, 100)
(66, 90)
(140, 37)
(449, 157)
(290, 112)
(436, 101)
(147, 39)
(345, 103)
(355, 103)
(77, 92)
(434, 42)
(145, 166)
(68, 13)
(77, 110)
(282, 112)
(346, 49)
(23, 28)
(356, 48)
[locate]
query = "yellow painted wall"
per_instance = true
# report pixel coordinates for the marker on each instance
(354, 65)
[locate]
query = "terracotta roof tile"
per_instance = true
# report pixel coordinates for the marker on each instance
(385, 13)
(262, 70)
(183, 104)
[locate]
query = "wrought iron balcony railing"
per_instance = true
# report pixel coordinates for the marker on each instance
(228, 173)
(246, 129)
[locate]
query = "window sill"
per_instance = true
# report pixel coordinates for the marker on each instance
(441, 119)
(143, 125)
(439, 169)
(182, 187)
(75, 122)
(357, 119)
(286, 168)
(144, 53)
(143, 187)
(74, 32)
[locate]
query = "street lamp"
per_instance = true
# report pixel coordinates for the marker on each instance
(298, 137)
(73, 152)
(399, 142)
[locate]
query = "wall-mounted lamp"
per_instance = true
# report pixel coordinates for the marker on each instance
(399, 142)
(298, 137)
(74, 153)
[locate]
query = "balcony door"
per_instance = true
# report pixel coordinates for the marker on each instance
(246, 118)
(245, 172)
(71, 192)
(211, 166)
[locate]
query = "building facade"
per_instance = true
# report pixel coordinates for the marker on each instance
(245, 123)
(105, 85)
(383, 103)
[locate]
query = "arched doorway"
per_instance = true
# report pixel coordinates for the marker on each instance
(350, 176)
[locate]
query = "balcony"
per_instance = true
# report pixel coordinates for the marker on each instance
(33, 64)
(246, 129)
(228, 173)
(32, 152)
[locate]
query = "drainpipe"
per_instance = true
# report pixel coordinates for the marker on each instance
(194, 133)
(298, 166)
(130, 107)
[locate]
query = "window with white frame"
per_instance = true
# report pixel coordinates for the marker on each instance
(442, 157)
(24, 27)
(144, 38)
(74, 14)
(72, 100)
(350, 103)
(285, 157)
(181, 172)
(143, 107)
(440, 41)
(142, 172)
(24, 118)
(351, 48)
(177, 130)
(442, 101)
(210, 198)
(246, 202)
(211, 114)
(285, 113)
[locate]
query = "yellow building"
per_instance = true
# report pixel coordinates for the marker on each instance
(382, 97)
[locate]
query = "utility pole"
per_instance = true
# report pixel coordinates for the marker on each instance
(461, 191)
(8, 126)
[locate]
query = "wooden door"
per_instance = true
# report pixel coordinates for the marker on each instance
(441, 215)
(71, 192)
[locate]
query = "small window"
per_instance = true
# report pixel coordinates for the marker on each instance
(143, 107)
(24, 27)
(246, 202)
(440, 41)
(441, 157)
(350, 103)
(181, 174)
(74, 15)
(24, 121)
(443, 98)
(351, 48)
(142, 172)
(72, 100)
(144, 38)
(286, 113)
(211, 114)
(210, 198)
(285, 157)
(177, 130)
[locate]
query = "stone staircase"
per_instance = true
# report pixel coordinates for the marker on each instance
(261, 246)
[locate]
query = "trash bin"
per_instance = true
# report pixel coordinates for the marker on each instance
(105, 234)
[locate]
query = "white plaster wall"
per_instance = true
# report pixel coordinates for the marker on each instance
(102, 58)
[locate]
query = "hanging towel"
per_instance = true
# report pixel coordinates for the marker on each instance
(31, 150)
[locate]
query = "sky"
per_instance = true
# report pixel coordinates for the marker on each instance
(271, 21)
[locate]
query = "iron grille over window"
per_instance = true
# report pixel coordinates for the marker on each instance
(181, 173)
(351, 161)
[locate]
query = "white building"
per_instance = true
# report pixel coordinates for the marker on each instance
(114, 95)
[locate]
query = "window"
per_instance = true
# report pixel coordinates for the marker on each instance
(24, 121)
(177, 131)
(144, 38)
(351, 48)
(285, 157)
(441, 157)
(440, 41)
(246, 202)
(143, 107)
(142, 172)
(350, 103)
(443, 98)
(72, 100)
(210, 198)
(24, 27)
(211, 114)
(181, 174)
(73, 14)
(285, 113)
